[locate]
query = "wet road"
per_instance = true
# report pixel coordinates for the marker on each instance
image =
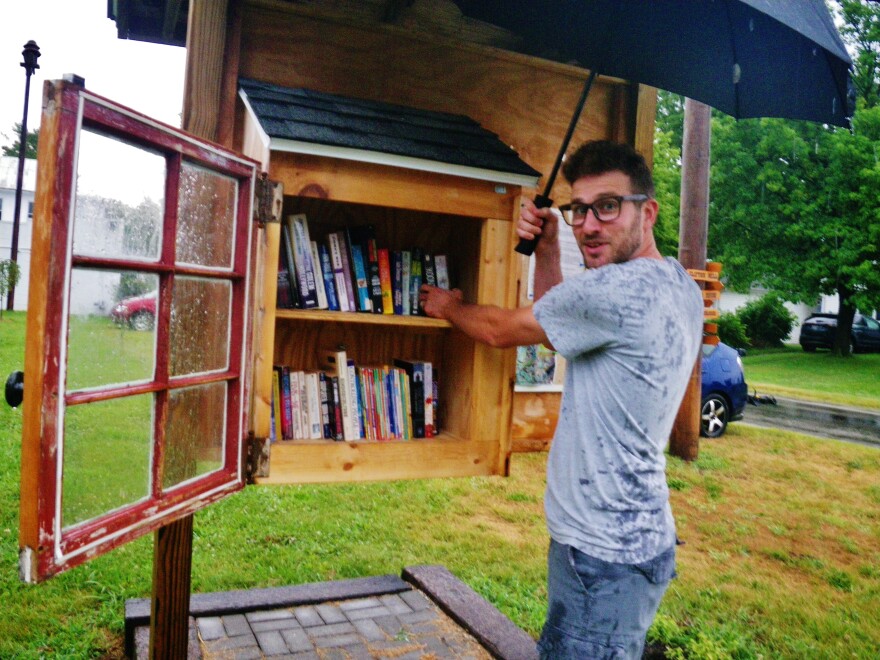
(826, 421)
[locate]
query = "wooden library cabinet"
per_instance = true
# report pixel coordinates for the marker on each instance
(471, 221)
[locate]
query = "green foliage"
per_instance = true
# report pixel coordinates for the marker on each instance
(861, 29)
(766, 321)
(732, 331)
(667, 170)
(10, 273)
(30, 143)
(133, 284)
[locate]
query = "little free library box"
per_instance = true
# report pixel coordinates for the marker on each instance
(231, 303)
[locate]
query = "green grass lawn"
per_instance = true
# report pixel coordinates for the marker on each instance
(781, 553)
(794, 373)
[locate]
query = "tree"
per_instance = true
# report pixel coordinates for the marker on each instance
(794, 203)
(10, 272)
(667, 169)
(30, 144)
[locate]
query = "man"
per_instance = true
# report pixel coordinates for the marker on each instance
(630, 328)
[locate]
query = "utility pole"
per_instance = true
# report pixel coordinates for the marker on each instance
(684, 441)
(30, 53)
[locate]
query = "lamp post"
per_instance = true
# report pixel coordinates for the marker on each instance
(30, 54)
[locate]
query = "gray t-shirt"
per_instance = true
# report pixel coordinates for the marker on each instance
(630, 334)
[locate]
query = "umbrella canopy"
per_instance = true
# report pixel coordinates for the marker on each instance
(747, 58)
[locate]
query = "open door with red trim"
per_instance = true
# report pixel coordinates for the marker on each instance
(137, 357)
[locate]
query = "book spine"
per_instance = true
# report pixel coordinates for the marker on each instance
(405, 281)
(286, 408)
(406, 398)
(347, 272)
(319, 276)
(302, 260)
(428, 379)
(296, 406)
(415, 281)
(324, 394)
(313, 397)
(428, 270)
(397, 281)
(357, 422)
(385, 281)
(335, 248)
(327, 275)
(388, 384)
(436, 401)
(415, 374)
(338, 424)
(374, 276)
(364, 302)
(441, 270)
(276, 404)
(286, 250)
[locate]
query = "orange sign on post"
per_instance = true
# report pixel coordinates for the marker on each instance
(712, 287)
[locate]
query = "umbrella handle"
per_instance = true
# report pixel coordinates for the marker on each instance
(526, 246)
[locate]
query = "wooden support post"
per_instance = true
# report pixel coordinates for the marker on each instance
(172, 549)
(169, 612)
(684, 441)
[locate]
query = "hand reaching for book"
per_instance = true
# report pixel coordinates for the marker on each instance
(439, 303)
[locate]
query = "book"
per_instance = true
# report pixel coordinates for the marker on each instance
(407, 405)
(312, 406)
(415, 373)
(336, 408)
(436, 402)
(286, 296)
(374, 279)
(428, 270)
(341, 272)
(428, 377)
(385, 281)
(397, 281)
(405, 282)
(336, 362)
(319, 276)
(415, 282)
(356, 410)
(364, 303)
(297, 230)
(441, 271)
(327, 275)
(275, 433)
(286, 256)
(297, 430)
(324, 394)
(286, 411)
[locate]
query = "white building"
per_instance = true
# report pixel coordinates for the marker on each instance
(8, 180)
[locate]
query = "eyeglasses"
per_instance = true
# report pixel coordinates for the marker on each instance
(606, 209)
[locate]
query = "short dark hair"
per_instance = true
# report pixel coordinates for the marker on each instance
(601, 156)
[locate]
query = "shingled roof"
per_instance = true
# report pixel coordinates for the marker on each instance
(306, 121)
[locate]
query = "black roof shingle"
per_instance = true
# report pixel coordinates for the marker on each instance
(304, 115)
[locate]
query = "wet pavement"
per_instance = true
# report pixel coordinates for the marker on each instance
(818, 419)
(427, 614)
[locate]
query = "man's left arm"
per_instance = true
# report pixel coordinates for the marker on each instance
(496, 326)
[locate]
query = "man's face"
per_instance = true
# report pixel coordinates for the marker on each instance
(628, 237)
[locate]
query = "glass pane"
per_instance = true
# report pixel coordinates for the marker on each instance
(200, 310)
(194, 432)
(111, 337)
(206, 217)
(108, 444)
(120, 199)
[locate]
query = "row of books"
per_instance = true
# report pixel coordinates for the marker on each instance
(344, 401)
(349, 272)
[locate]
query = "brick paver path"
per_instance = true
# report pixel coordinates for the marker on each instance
(401, 626)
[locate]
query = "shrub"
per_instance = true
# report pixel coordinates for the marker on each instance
(767, 321)
(732, 331)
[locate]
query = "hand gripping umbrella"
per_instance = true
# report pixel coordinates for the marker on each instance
(747, 58)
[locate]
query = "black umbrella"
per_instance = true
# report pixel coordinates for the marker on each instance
(747, 58)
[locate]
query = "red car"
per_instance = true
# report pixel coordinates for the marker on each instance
(138, 312)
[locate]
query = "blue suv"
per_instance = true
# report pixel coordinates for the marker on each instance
(724, 390)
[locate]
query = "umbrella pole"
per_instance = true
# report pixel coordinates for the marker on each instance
(527, 246)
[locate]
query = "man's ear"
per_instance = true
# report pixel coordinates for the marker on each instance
(650, 208)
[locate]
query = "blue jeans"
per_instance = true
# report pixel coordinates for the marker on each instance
(598, 609)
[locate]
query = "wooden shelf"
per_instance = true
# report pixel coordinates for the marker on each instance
(398, 321)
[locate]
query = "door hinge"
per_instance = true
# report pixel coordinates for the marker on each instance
(268, 198)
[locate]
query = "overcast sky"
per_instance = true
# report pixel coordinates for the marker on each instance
(77, 37)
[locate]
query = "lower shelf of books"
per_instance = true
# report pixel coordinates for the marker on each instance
(303, 461)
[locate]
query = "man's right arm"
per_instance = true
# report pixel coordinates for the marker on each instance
(544, 223)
